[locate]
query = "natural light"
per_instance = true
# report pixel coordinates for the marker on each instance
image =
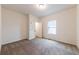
(52, 27)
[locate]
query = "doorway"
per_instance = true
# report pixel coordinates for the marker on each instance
(38, 29)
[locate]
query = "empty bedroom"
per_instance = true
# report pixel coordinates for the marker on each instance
(39, 29)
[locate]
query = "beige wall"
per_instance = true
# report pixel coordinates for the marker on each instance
(66, 26)
(78, 26)
(13, 26)
(17, 26)
(24, 26)
(0, 28)
(31, 27)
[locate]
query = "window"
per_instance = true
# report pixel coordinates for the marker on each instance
(52, 27)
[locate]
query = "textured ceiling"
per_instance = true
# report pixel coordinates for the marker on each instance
(32, 8)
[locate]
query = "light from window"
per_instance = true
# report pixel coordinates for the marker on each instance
(52, 27)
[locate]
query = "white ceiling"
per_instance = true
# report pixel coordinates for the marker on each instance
(32, 9)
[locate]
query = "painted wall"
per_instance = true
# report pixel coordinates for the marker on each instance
(66, 26)
(24, 27)
(13, 26)
(17, 26)
(0, 28)
(77, 26)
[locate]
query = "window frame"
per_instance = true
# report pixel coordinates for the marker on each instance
(51, 27)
